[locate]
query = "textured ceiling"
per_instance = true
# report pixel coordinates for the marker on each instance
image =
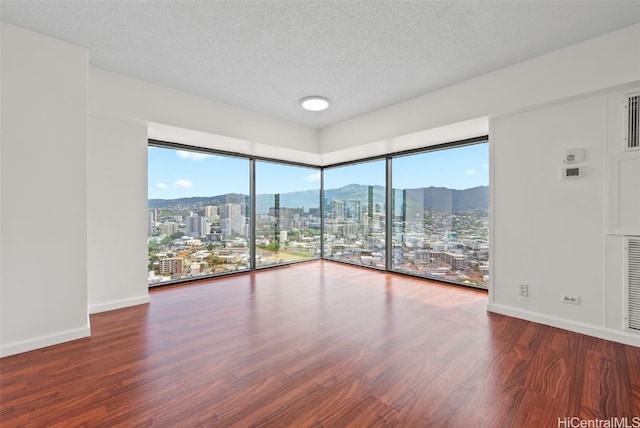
(266, 55)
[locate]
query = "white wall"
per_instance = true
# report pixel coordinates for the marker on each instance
(117, 214)
(550, 233)
(43, 279)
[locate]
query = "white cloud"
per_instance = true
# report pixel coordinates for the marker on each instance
(161, 186)
(184, 154)
(183, 183)
(470, 171)
(313, 177)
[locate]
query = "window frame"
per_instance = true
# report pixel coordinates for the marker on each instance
(252, 200)
(252, 209)
(446, 146)
(253, 212)
(386, 159)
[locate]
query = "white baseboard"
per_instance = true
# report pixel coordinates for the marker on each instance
(590, 330)
(44, 341)
(67, 335)
(119, 304)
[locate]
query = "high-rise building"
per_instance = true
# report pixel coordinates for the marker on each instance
(232, 220)
(336, 209)
(154, 214)
(211, 213)
(196, 225)
(353, 210)
(151, 224)
(168, 228)
(170, 265)
(287, 218)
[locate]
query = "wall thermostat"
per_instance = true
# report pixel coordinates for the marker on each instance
(570, 172)
(574, 156)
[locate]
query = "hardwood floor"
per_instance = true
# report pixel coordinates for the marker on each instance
(319, 344)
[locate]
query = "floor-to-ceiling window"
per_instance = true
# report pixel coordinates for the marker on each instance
(355, 213)
(441, 214)
(422, 213)
(287, 213)
(198, 214)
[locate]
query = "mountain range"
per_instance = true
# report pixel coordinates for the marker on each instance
(435, 198)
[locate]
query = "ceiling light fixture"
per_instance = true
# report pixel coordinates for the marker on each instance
(314, 103)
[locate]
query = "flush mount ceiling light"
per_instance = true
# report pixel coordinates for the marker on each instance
(314, 103)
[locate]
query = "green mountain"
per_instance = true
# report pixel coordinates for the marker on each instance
(435, 198)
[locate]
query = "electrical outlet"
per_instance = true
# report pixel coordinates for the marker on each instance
(523, 290)
(574, 300)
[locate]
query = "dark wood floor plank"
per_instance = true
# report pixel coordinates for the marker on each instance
(318, 344)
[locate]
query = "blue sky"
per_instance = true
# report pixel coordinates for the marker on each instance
(177, 173)
(459, 168)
